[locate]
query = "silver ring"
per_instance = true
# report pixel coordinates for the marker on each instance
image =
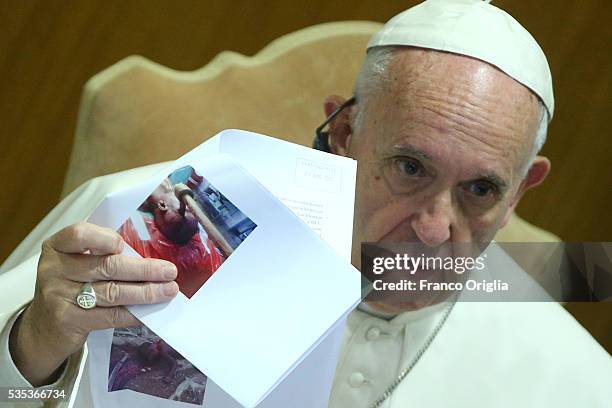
(86, 299)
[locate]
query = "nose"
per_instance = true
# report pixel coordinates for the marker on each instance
(433, 221)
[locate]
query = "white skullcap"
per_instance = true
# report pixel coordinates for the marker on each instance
(477, 29)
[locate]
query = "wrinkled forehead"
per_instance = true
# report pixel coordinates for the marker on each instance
(459, 93)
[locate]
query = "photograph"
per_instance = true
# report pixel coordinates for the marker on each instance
(190, 223)
(141, 361)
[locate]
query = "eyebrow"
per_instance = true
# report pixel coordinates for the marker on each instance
(495, 179)
(410, 150)
(490, 176)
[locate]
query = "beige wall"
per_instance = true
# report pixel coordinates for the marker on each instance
(49, 49)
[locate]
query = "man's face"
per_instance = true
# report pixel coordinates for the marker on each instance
(441, 151)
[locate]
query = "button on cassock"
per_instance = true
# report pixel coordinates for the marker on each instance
(356, 379)
(373, 334)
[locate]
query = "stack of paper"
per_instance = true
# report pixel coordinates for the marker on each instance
(265, 278)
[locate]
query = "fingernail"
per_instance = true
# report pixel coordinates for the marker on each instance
(169, 289)
(170, 271)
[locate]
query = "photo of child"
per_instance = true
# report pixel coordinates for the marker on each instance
(188, 222)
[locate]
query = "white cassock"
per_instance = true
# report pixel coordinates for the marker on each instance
(486, 355)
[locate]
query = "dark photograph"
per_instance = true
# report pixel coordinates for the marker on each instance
(141, 361)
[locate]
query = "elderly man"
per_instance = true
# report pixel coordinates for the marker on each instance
(451, 108)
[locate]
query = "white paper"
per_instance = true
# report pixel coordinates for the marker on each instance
(318, 187)
(282, 291)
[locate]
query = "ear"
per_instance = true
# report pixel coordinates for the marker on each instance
(537, 173)
(340, 129)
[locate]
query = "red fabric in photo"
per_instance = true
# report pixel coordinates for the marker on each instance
(195, 261)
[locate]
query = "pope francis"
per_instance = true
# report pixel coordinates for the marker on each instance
(450, 110)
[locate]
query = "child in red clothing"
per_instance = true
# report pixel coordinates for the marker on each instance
(174, 236)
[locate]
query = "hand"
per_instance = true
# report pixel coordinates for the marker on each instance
(53, 326)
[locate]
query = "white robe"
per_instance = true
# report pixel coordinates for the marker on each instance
(485, 355)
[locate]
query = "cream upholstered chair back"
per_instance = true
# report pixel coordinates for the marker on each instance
(138, 112)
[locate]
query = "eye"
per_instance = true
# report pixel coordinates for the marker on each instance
(482, 188)
(409, 167)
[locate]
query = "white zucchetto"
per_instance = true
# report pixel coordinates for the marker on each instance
(477, 29)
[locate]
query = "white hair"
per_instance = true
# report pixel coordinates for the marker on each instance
(372, 76)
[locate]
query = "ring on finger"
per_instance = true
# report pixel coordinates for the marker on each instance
(86, 298)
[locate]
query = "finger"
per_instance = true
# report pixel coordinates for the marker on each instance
(90, 268)
(100, 318)
(82, 237)
(109, 294)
